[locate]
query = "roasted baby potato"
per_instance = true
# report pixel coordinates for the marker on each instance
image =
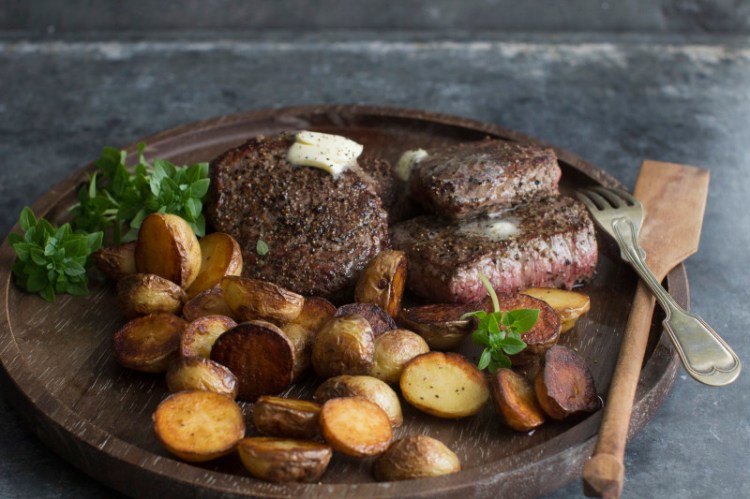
(200, 373)
(515, 401)
(302, 343)
(416, 456)
(148, 343)
(565, 386)
(116, 262)
(167, 247)
(366, 387)
(142, 294)
(198, 425)
(444, 385)
(569, 305)
(283, 417)
(209, 302)
(220, 256)
(382, 281)
(260, 355)
(284, 460)
(316, 311)
(251, 299)
(393, 350)
(345, 345)
(200, 335)
(355, 426)
(439, 324)
(379, 320)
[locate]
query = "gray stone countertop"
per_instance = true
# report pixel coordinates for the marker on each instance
(613, 100)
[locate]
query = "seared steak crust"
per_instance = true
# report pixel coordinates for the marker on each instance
(468, 179)
(320, 231)
(554, 245)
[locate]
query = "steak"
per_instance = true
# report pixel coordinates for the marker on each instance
(320, 231)
(547, 243)
(466, 180)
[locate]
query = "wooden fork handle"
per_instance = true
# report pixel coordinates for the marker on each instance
(604, 474)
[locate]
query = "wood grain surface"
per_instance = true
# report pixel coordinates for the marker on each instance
(59, 372)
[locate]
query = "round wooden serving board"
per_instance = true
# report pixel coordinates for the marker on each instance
(59, 372)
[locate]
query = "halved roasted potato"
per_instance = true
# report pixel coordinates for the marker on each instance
(393, 350)
(142, 294)
(220, 256)
(345, 345)
(260, 355)
(200, 373)
(251, 299)
(148, 343)
(444, 384)
(515, 401)
(167, 247)
(379, 320)
(565, 386)
(382, 281)
(367, 387)
(284, 460)
(355, 426)
(569, 305)
(316, 311)
(416, 456)
(209, 302)
(116, 261)
(200, 335)
(302, 344)
(198, 425)
(284, 417)
(440, 324)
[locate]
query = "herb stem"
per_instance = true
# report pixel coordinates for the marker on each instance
(491, 291)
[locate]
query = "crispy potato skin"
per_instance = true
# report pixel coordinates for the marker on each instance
(142, 294)
(379, 320)
(290, 418)
(167, 247)
(116, 262)
(565, 386)
(439, 324)
(209, 302)
(366, 387)
(148, 343)
(393, 350)
(569, 305)
(200, 373)
(284, 460)
(515, 401)
(416, 456)
(220, 256)
(345, 345)
(316, 311)
(382, 281)
(199, 336)
(251, 299)
(180, 425)
(355, 426)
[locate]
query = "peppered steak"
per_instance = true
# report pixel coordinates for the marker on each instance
(465, 180)
(320, 230)
(548, 243)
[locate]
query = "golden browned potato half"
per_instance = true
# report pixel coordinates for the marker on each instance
(200, 373)
(379, 320)
(345, 345)
(220, 256)
(444, 384)
(382, 281)
(367, 387)
(439, 324)
(260, 355)
(355, 426)
(142, 294)
(283, 417)
(199, 426)
(569, 305)
(251, 299)
(209, 302)
(116, 262)
(416, 456)
(284, 460)
(393, 350)
(148, 343)
(167, 247)
(565, 386)
(515, 401)
(302, 343)
(316, 311)
(200, 335)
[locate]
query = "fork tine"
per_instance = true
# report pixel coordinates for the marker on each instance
(614, 196)
(627, 196)
(582, 196)
(600, 202)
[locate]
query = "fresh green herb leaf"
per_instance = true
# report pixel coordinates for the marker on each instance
(261, 247)
(521, 320)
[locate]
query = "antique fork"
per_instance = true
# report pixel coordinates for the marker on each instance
(704, 354)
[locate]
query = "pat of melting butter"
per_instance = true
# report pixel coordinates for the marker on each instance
(332, 153)
(495, 229)
(407, 161)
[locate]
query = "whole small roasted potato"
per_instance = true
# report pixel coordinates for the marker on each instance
(148, 343)
(382, 281)
(345, 345)
(167, 247)
(200, 373)
(415, 456)
(220, 256)
(251, 299)
(209, 302)
(439, 324)
(366, 387)
(199, 336)
(284, 417)
(284, 460)
(116, 261)
(142, 294)
(393, 350)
